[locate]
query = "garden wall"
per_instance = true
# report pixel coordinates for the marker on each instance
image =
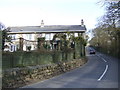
(17, 77)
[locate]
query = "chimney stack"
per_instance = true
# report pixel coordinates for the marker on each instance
(42, 23)
(82, 22)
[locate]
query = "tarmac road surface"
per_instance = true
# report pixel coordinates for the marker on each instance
(101, 71)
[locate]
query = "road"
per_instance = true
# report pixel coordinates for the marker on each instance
(101, 71)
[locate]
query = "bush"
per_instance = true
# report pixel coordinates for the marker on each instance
(29, 48)
(22, 58)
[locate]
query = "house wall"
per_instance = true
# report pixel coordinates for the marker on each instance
(27, 41)
(30, 40)
(15, 42)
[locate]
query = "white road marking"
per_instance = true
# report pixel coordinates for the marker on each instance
(105, 68)
(103, 73)
(97, 55)
(102, 58)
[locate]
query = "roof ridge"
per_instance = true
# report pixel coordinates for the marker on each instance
(45, 25)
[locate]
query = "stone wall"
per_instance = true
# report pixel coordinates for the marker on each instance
(17, 77)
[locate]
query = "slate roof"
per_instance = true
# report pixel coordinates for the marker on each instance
(47, 29)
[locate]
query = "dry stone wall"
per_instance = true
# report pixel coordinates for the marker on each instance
(17, 77)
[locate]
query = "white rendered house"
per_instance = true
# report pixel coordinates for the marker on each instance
(31, 33)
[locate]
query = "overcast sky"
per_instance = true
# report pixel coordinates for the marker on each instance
(53, 12)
